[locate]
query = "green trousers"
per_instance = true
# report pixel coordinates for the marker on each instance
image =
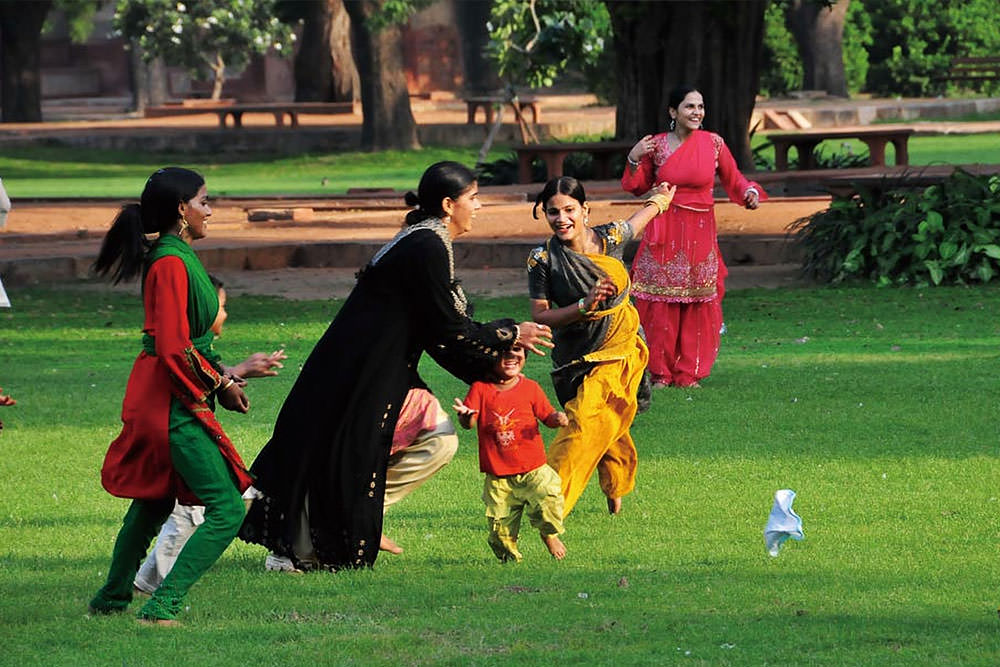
(198, 461)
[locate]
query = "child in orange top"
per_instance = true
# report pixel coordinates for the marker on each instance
(511, 453)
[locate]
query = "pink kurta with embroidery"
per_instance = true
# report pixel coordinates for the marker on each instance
(678, 259)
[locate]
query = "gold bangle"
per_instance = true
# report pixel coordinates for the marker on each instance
(661, 202)
(228, 384)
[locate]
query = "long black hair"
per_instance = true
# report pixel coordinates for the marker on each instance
(123, 250)
(440, 180)
(564, 185)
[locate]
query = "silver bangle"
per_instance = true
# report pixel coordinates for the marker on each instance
(631, 161)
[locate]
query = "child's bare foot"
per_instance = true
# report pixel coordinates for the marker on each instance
(614, 505)
(555, 546)
(387, 544)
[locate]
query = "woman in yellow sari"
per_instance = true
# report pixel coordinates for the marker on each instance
(579, 286)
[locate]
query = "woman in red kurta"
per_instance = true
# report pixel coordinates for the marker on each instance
(171, 446)
(678, 276)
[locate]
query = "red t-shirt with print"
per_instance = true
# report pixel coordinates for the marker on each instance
(509, 440)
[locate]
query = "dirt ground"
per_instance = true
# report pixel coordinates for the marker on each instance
(38, 230)
(496, 221)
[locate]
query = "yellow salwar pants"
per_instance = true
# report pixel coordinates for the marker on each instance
(597, 435)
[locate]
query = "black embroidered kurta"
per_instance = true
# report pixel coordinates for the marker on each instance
(331, 442)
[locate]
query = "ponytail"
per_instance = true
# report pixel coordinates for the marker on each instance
(124, 247)
(123, 251)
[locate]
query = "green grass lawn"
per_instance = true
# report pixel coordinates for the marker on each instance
(67, 172)
(876, 406)
(70, 172)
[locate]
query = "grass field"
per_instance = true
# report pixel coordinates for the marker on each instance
(66, 172)
(876, 406)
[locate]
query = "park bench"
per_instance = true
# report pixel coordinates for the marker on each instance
(972, 69)
(875, 138)
(553, 155)
(488, 102)
(280, 111)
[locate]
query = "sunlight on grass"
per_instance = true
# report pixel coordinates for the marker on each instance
(893, 455)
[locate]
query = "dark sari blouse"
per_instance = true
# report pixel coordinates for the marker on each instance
(562, 277)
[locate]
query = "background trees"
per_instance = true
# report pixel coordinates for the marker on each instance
(715, 46)
(203, 36)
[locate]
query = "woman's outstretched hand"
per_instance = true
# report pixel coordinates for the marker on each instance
(532, 336)
(233, 398)
(751, 199)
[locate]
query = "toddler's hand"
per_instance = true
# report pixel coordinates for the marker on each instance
(562, 419)
(463, 410)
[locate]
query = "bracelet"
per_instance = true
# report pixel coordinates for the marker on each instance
(517, 335)
(631, 161)
(230, 382)
(661, 202)
(583, 309)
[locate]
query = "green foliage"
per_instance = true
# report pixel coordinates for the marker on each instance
(203, 36)
(568, 34)
(856, 43)
(781, 70)
(897, 235)
(395, 12)
(913, 42)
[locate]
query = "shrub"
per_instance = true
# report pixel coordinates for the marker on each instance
(898, 234)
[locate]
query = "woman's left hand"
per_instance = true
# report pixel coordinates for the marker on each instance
(751, 199)
(532, 336)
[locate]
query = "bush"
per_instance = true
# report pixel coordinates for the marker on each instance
(896, 234)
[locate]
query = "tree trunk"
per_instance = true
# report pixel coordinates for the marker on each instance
(324, 64)
(387, 120)
(714, 46)
(480, 74)
(20, 59)
(819, 33)
(219, 79)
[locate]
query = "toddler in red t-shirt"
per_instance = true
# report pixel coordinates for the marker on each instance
(506, 413)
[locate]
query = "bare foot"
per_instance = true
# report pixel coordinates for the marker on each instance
(160, 622)
(555, 546)
(614, 505)
(386, 544)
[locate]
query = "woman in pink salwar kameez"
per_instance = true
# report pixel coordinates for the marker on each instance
(678, 276)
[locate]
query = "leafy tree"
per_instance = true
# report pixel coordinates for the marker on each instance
(781, 70)
(203, 36)
(913, 42)
(533, 43)
(857, 42)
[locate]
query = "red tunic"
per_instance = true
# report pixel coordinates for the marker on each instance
(509, 440)
(138, 463)
(678, 259)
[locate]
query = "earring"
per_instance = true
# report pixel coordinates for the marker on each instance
(184, 226)
(672, 125)
(586, 219)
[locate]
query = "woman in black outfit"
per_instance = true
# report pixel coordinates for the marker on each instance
(322, 474)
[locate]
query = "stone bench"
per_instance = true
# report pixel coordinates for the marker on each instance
(553, 155)
(280, 111)
(805, 141)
